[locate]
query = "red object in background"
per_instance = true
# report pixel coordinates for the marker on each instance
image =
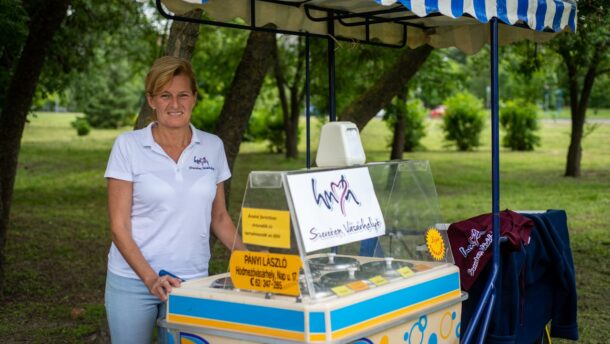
(437, 111)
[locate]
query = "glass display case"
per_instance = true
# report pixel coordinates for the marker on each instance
(334, 255)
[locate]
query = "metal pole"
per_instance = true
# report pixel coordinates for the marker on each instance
(307, 104)
(495, 150)
(331, 68)
(486, 304)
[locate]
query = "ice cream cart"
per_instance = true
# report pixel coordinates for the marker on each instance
(326, 297)
(352, 254)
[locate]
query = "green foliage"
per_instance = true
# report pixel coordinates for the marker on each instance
(112, 30)
(415, 128)
(273, 131)
(267, 121)
(586, 51)
(358, 66)
(267, 124)
(439, 77)
(531, 74)
(109, 99)
(95, 36)
(216, 56)
(414, 112)
(592, 36)
(206, 112)
(520, 121)
(463, 120)
(13, 25)
(599, 94)
(81, 125)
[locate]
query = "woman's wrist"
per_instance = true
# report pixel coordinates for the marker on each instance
(149, 279)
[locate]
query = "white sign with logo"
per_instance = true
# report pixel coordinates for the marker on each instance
(335, 207)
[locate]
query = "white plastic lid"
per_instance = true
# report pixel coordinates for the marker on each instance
(340, 145)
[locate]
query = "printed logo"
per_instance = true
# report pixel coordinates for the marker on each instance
(435, 243)
(473, 243)
(338, 193)
(201, 164)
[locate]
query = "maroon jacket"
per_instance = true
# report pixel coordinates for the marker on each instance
(471, 241)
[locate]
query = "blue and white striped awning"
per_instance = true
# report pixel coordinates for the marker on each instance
(439, 23)
(539, 15)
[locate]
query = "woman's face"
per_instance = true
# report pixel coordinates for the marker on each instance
(174, 103)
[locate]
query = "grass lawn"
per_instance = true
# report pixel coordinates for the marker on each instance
(58, 237)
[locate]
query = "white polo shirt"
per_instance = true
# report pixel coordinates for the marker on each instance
(172, 202)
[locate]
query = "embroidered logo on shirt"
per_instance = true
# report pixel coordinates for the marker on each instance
(201, 163)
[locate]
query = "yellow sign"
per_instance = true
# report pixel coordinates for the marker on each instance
(268, 272)
(358, 285)
(422, 267)
(378, 280)
(435, 243)
(342, 290)
(405, 271)
(266, 227)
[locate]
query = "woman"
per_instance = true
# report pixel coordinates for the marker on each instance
(165, 192)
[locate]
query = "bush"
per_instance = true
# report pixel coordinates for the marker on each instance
(275, 134)
(109, 98)
(520, 121)
(206, 113)
(267, 125)
(110, 114)
(415, 128)
(464, 120)
(81, 125)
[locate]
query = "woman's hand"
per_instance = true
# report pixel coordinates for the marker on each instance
(162, 286)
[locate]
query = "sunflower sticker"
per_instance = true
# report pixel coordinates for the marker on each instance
(435, 243)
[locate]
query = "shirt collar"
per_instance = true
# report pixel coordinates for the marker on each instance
(149, 140)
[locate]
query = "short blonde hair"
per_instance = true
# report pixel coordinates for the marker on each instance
(164, 69)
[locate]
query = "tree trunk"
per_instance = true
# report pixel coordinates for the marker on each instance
(43, 25)
(292, 142)
(297, 96)
(291, 104)
(398, 141)
(280, 81)
(366, 106)
(575, 148)
(578, 111)
(181, 43)
(244, 89)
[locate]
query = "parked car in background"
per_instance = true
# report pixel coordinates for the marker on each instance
(437, 111)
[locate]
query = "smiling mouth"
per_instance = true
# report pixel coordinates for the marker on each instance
(175, 113)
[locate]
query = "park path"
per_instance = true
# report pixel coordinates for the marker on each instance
(589, 120)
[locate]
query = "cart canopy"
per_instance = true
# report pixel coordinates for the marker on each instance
(439, 23)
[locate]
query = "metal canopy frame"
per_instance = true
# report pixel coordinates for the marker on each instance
(482, 314)
(333, 16)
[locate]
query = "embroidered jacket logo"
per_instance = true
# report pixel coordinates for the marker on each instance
(201, 163)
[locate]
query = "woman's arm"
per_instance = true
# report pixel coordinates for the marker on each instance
(222, 225)
(120, 194)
